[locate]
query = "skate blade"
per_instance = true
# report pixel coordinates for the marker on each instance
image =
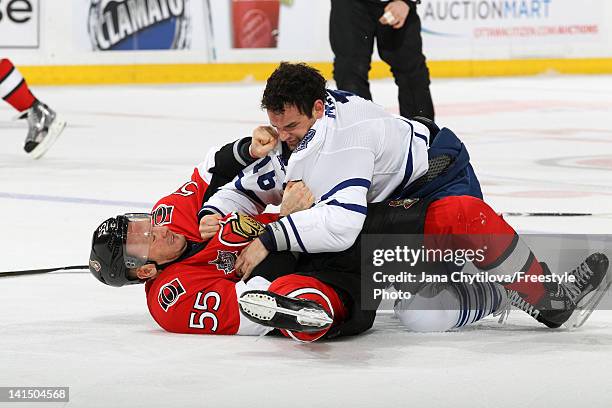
(264, 308)
(53, 134)
(584, 311)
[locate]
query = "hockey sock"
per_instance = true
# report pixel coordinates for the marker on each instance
(477, 301)
(13, 87)
(464, 222)
(306, 287)
(439, 307)
(528, 290)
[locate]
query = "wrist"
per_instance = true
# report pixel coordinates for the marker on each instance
(244, 150)
(275, 237)
(251, 151)
(268, 241)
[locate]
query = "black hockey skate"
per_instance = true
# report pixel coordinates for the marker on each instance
(559, 305)
(282, 312)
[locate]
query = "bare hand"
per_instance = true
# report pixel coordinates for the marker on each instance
(395, 14)
(296, 197)
(263, 140)
(250, 257)
(209, 225)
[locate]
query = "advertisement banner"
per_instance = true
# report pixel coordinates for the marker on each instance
(519, 23)
(270, 30)
(255, 23)
(19, 24)
(129, 25)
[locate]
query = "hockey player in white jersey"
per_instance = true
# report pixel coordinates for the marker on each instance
(352, 153)
(347, 150)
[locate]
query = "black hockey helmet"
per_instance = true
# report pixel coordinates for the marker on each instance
(118, 245)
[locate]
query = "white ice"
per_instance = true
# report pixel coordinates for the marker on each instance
(538, 143)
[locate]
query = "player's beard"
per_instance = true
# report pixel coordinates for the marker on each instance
(293, 143)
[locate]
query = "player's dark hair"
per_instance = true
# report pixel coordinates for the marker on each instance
(293, 84)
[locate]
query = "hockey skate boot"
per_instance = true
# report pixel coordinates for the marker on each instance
(281, 312)
(559, 305)
(44, 127)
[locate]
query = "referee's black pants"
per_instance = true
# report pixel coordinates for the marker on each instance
(353, 27)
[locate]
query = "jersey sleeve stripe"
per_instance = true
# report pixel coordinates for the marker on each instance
(246, 192)
(351, 207)
(422, 137)
(297, 235)
(419, 135)
(10, 82)
(8, 92)
(273, 241)
(286, 235)
(275, 237)
(407, 173)
(261, 164)
(237, 154)
(355, 182)
(208, 208)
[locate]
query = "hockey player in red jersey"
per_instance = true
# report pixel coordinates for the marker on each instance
(190, 283)
(44, 125)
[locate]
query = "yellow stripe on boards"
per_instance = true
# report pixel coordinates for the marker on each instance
(222, 72)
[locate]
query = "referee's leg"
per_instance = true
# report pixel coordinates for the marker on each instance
(351, 35)
(402, 49)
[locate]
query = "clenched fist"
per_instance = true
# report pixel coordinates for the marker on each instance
(296, 197)
(263, 140)
(209, 225)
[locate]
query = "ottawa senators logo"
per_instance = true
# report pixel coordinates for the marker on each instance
(169, 294)
(406, 202)
(162, 215)
(225, 261)
(239, 229)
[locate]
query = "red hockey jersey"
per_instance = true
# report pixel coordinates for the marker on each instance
(199, 294)
(179, 210)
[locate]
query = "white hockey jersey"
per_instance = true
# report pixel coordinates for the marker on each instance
(357, 153)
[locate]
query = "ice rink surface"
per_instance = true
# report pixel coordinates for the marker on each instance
(538, 144)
